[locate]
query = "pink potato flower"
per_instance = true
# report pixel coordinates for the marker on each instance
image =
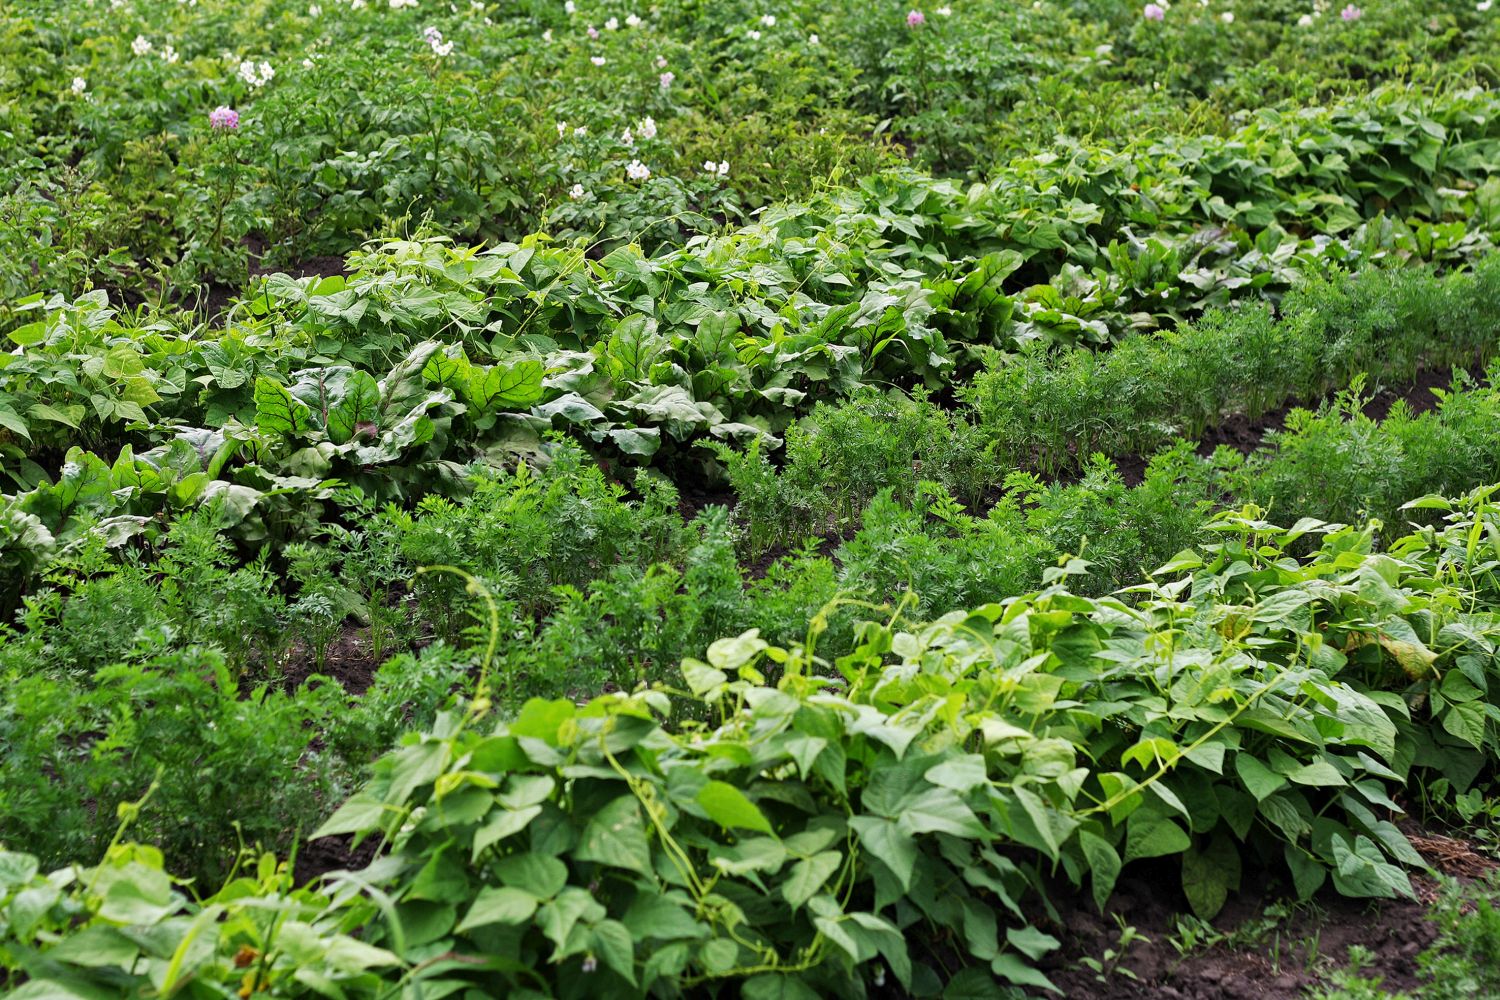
(915, 18)
(1351, 13)
(224, 117)
(1154, 12)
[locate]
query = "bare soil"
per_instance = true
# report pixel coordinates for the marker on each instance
(316, 858)
(347, 659)
(1271, 958)
(1274, 953)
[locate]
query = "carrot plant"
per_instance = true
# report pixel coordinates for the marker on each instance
(876, 805)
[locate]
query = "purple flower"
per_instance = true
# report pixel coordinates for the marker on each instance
(1154, 12)
(224, 117)
(915, 18)
(1351, 13)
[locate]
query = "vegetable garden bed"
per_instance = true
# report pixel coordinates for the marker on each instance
(743, 500)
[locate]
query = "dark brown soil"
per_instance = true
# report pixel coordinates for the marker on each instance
(690, 503)
(321, 267)
(347, 659)
(1274, 952)
(1418, 394)
(1132, 469)
(215, 302)
(316, 858)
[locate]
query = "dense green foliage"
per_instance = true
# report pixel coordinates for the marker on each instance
(812, 807)
(731, 499)
(360, 125)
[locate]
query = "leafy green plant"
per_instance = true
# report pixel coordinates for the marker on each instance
(1108, 965)
(1243, 708)
(226, 764)
(995, 248)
